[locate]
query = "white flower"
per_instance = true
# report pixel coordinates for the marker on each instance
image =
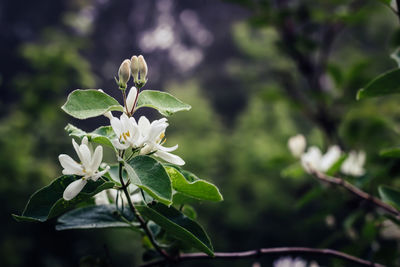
(393, 4)
(289, 262)
(314, 159)
(390, 230)
(145, 135)
(331, 157)
(153, 137)
(311, 159)
(354, 164)
(127, 132)
(88, 168)
(297, 145)
(110, 196)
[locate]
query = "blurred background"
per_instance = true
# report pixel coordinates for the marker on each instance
(255, 72)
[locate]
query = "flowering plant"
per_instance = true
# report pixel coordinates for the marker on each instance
(146, 189)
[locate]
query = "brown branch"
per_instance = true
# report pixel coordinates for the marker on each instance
(267, 251)
(355, 191)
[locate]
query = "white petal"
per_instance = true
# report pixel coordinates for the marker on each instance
(118, 145)
(101, 198)
(99, 174)
(168, 149)
(70, 166)
(85, 141)
(297, 145)
(117, 126)
(136, 198)
(73, 189)
(96, 159)
(76, 147)
(144, 125)
(330, 158)
(171, 158)
(155, 132)
(86, 156)
(311, 159)
(130, 100)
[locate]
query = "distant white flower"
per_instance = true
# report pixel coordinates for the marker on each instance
(311, 159)
(390, 230)
(314, 159)
(354, 164)
(290, 262)
(393, 4)
(331, 157)
(153, 137)
(127, 132)
(297, 145)
(110, 196)
(88, 168)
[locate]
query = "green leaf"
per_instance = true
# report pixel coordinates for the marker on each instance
(336, 166)
(98, 216)
(48, 202)
(83, 104)
(192, 186)
(294, 170)
(179, 226)
(102, 135)
(164, 102)
(148, 174)
(393, 152)
(390, 195)
(384, 84)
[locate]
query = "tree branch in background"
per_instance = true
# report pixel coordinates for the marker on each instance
(267, 251)
(356, 191)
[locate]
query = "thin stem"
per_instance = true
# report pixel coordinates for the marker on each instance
(355, 191)
(142, 222)
(264, 251)
(126, 107)
(136, 98)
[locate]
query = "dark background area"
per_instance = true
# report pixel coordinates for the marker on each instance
(255, 72)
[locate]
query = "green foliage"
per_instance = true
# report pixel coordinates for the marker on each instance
(197, 188)
(83, 104)
(102, 135)
(149, 174)
(48, 202)
(178, 225)
(99, 216)
(390, 196)
(385, 84)
(165, 103)
(393, 152)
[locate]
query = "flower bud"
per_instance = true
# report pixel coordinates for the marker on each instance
(297, 145)
(124, 73)
(142, 69)
(135, 68)
(131, 100)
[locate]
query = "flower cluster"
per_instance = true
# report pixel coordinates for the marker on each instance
(88, 168)
(141, 137)
(144, 136)
(353, 165)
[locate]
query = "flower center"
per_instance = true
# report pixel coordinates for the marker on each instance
(125, 135)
